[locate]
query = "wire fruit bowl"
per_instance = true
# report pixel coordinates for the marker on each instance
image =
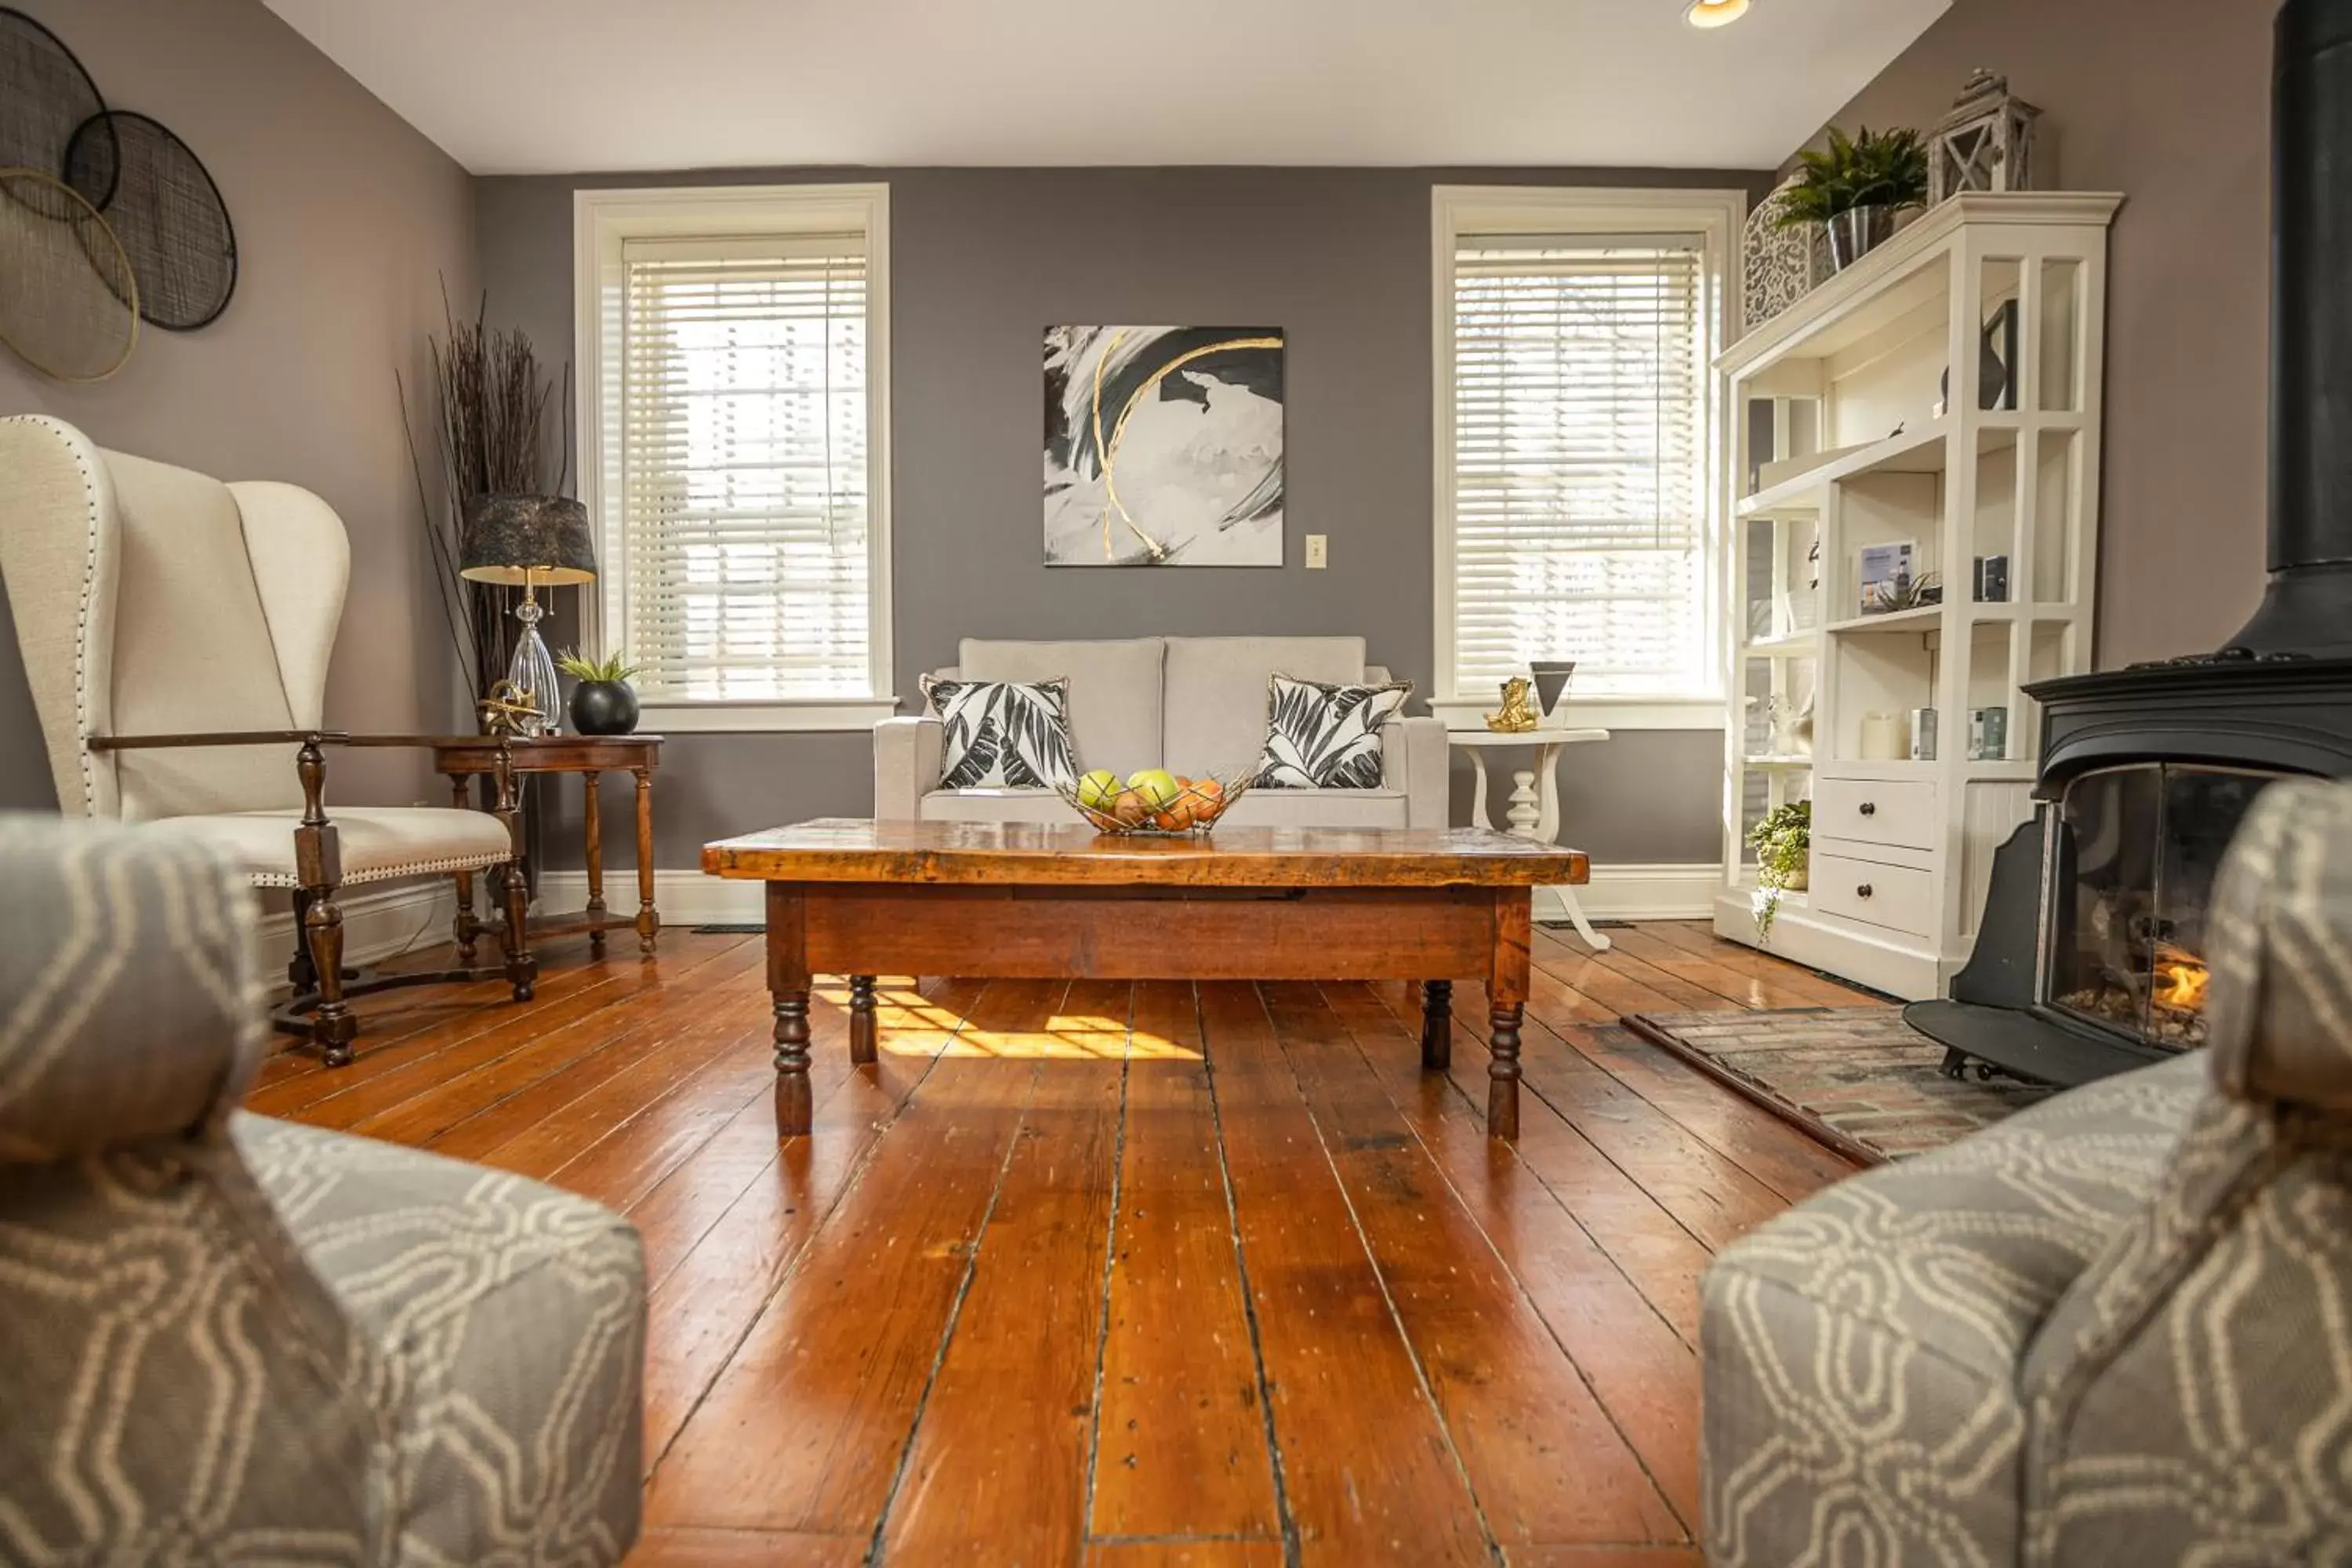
(1192, 809)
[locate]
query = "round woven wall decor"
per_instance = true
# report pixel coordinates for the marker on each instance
(161, 203)
(69, 298)
(45, 97)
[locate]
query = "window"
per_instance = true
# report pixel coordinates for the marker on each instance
(1578, 442)
(734, 347)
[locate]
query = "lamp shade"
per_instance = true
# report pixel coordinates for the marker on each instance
(524, 539)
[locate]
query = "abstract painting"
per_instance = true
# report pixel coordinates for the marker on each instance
(1163, 447)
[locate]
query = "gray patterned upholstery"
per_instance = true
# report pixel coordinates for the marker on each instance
(2116, 1328)
(224, 1339)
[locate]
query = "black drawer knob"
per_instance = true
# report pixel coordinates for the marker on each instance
(1863, 892)
(1870, 808)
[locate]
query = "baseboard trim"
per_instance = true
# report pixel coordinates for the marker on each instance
(378, 923)
(1659, 892)
(687, 898)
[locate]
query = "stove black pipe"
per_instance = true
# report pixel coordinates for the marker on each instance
(2308, 607)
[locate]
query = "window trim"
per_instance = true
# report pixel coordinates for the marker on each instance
(601, 221)
(1717, 216)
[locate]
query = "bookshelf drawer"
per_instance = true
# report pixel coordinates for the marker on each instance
(1878, 811)
(1898, 898)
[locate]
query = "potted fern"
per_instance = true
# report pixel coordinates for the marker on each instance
(602, 703)
(1855, 186)
(1783, 843)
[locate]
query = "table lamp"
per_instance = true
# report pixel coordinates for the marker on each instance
(527, 541)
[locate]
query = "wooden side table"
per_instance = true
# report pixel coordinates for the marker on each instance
(464, 759)
(1535, 802)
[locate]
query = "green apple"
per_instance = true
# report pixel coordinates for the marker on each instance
(1158, 787)
(1098, 790)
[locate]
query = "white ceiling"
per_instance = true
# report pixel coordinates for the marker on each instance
(564, 86)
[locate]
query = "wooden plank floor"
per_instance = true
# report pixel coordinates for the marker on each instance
(1128, 1275)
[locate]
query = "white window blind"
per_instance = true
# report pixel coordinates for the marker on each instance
(745, 519)
(1580, 462)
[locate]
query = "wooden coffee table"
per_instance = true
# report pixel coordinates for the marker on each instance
(991, 900)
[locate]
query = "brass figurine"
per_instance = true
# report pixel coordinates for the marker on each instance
(1517, 715)
(504, 711)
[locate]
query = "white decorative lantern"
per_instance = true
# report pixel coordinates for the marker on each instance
(1985, 144)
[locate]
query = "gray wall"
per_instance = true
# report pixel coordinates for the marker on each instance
(2169, 101)
(346, 221)
(981, 260)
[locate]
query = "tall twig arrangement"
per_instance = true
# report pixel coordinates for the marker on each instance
(491, 421)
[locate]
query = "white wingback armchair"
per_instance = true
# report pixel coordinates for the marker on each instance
(175, 632)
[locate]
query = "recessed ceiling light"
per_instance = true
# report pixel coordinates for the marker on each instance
(1715, 13)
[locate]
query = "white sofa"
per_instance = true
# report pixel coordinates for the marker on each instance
(1192, 705)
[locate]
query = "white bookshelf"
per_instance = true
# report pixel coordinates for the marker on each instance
(1838, 442)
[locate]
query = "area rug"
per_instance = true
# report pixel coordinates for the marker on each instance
(1860, 1080)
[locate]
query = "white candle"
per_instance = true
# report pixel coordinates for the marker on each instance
(1885, 738)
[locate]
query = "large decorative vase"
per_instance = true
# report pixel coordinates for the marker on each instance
(1857, 231)
(603, 707)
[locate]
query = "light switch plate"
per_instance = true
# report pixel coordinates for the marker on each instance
(1318, 554)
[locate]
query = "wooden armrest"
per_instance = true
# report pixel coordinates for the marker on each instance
(278, 738)
(429, 742)
(225, 738)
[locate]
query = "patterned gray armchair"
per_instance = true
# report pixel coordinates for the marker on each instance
(2116, 1328)
(224, 1339)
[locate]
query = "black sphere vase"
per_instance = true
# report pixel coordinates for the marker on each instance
(603, 707)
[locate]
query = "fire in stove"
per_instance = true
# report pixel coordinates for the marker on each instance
(2179, 982)
(2163, 1004)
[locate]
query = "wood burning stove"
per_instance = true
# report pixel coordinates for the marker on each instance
(2090, 956)
(2129, 864)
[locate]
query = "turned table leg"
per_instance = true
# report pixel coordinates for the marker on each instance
(466, 928)
(1507, 996)
(591, 821)
(862, 1029)
(788, 984)
(648, 919)
(1436, 1026)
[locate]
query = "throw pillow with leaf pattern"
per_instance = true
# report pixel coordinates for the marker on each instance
(1321, 736)
(1003, 733)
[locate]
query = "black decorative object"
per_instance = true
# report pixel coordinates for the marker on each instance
(162, 204)
(603, 707)
(1991, 580)
(1996, 355)
(68, 303)
(1551, 681)
(44, 97)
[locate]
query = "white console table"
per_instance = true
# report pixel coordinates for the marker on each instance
(1534, 805)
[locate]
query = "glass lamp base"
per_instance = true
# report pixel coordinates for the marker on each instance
(532, 673)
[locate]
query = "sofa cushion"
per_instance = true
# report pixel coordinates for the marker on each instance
(378, 843)
(1115, 692)
(1013, 732)
(1862, 1351)
(510, 1319)
(1216, 692)
(1325, 736)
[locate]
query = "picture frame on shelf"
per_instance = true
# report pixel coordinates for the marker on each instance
(1884, 578)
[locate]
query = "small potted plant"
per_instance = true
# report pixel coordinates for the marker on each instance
(602, 703)
(1854, 187)
(1783, 843)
